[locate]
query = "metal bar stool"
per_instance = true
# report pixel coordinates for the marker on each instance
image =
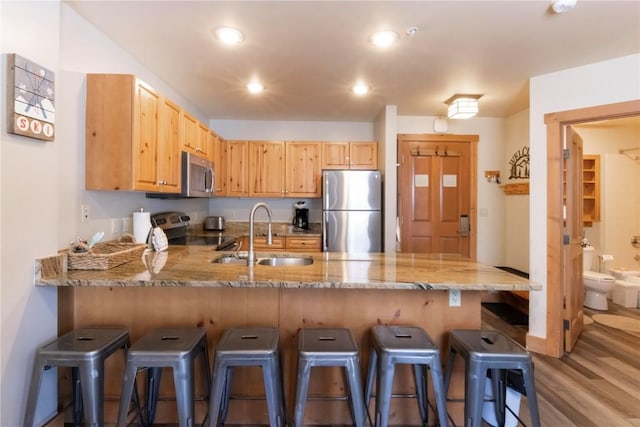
(489, 350)
(328, 347)
(247, 347)
(84, 350)
(391, 345)
(174, 348)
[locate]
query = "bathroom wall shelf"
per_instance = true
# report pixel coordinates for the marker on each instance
(591, 188)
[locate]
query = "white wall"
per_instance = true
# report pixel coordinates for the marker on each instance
(516, 226)
(42, 184)
(600, 83)
(29, 178)
(491, 198)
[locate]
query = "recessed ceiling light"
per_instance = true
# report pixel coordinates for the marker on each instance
(360, 89)
(561, 6)
(228, 35)
(255, 87)
(384, 38)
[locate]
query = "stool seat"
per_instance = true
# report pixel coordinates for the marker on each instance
(328, 347)
(491, 351)
(84, 350)
(247, 347)
(176, 348)
(391, 345)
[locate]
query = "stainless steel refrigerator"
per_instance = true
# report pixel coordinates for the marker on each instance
(351, 211)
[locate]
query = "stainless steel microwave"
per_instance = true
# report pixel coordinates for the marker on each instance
(198, 178)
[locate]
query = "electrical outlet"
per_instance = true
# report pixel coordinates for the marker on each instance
(455, 299)
(84, 213)
(115, 227)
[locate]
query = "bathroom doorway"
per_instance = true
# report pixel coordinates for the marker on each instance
(559, 323)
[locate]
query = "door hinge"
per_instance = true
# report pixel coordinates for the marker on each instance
(566, 324)
(566, 154)
(566, 239)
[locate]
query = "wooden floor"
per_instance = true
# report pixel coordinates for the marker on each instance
(596, 385)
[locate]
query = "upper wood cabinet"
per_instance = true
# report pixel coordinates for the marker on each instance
(284, 169)
(591, 188)
(303, 174)
(196, 136)
(124, 150)
(235, 160)
(215, 155)
(267, 168)
(350, 155)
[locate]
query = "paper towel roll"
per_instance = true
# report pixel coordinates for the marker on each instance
(141, 226)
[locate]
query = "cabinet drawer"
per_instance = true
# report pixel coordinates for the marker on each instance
(310, 243)
(260, 243)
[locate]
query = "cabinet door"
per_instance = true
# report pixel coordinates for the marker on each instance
(169, 143)
(363, 155)
(202, 149)
(335, 155)
(236, 179)
(260, 244)
(191, 136)
(215, 144)
(303, 169)
(145, 138)
(266, 168)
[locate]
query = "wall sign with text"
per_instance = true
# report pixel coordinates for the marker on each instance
(31, 99)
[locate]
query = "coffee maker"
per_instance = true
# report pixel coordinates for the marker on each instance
(301, 217)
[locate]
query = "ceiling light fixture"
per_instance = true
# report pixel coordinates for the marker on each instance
(462, 106)
(561, 6)
(228, 35)
(360, 89)
(255, 87)
(384, 38)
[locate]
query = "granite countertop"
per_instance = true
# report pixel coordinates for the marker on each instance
(240, 229)
(191, 266)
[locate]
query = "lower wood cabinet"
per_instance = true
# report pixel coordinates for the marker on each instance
(284, 244)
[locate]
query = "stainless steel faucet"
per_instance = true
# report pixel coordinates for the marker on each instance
(251, 258)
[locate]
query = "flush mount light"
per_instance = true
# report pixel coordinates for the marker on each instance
(384, 38)
(360, 89)
(561, 6)
(462, 106)
(255, 87)
(228, 35)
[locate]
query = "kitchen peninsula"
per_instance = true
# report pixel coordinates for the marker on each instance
(357, 291)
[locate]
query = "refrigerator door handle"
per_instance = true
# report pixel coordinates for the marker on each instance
(325, 220)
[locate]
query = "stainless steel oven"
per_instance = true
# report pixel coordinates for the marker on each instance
(175, 225)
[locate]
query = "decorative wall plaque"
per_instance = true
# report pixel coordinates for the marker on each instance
(519, 164)
(31, 99)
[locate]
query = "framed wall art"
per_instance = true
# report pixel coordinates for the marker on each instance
(31, 99)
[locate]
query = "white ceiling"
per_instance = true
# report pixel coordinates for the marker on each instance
(309, 53)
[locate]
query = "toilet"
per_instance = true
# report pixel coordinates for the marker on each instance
(596, 285)
(626, 291)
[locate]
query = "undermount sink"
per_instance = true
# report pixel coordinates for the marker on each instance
(272, 261)
(283, 261)
(229, 259)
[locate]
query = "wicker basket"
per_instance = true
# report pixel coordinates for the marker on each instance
(103, 256)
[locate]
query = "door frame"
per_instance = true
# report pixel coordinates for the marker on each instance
(553, 344)
(472, 141)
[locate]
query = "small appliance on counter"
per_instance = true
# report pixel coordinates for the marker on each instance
(213, 223)
(301, 217)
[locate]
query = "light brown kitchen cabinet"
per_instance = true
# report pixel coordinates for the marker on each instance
(196, 136)
(260, 244)
(215, 155)
(267, 169)
(123, 148)
(350, 155)
(303, 243)
(236, 168)
(169, 142)
(303, 171)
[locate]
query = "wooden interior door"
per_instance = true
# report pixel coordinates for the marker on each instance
(573, 300)
(435, 194)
